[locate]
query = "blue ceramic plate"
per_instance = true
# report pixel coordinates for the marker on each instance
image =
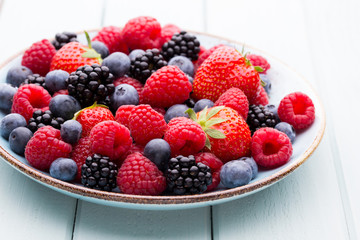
(284, 81)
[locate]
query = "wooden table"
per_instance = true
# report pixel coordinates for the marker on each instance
(320, 39)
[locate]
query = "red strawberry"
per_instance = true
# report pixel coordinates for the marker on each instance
(167, 32)
(80, 152)
(112, 37)
(235, 99)
(204, 55)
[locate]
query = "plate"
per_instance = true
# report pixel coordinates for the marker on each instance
(284, 81)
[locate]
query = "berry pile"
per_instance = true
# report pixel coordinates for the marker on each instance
(147, 110)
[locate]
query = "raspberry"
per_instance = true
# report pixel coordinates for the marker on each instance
(111, 139)
(133, 149)
(167, 32)
(61, 92)
(138, 175)
(146, 124)
(203, 56)
(131, 81)
(112, 37)
(45, 147)
(142, 33)
(166, 87)
(261, 97)
(257, 60)
(270, 148)
(80, 152)
(235, 99)
(123, 114)
(160, 110)
(297, 109)
(214, 164)
(184, 136)
(30, 98)
(38, 57)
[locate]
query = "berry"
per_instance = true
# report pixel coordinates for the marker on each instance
(118, 64)
(259, 117)
(167, 32)
(259, 61)
(287, 129)
(133, 149)
(177, 110)
(100, 48)
(18, 139)
(36, 79)
(61, 92)
(267, 82)
(201, 104)
(206, 54)
(138, 175)
(214, 164)
(7, 93)
(39, 56)
(261, 97)
(184, 136)
(71, 131)
(253, 165)
(44, 118)
(190, 103)
(183, 63)
(56, 80)
(17, 75)
(64, 169)
(134, 53)
(272, 108)
(146, 124)
(63, 38)
(98, 172)
(185, 176)
(112, 37)
(64, 106)
(181, 44)
(166, 87)
(46, 146)
(270, 148)
(159, 152)
(235, 173)
(297, 109)
(123, 114)
(235, 99)
(9, 123)
(80, 152)
(124, 94)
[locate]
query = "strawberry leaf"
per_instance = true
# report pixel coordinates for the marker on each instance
(214, 121)
(91, 53)
(207, 143)
(214, 133)
(213, 111)
(262, 83)
(259, 69)
(191, 114)
(202, 116)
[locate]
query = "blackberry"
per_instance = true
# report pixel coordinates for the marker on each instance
(44, 118)
(185, 176)
(259, 117)
(63, 38)
(98, 172)
(181, 44)
(89, 84)
(146, 64)
(35, 79)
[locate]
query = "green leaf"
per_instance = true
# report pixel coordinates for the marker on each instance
(262, 83)
(91, 53)
(214, 133)
(202, 115)
(213, 111)
(214, 121)
(88, 40)
(259, 69)
(191, 114)
(207, 143)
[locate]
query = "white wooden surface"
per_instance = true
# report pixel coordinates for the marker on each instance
(320, 200)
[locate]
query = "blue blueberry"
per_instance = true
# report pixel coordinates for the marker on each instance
(71, 131)
(201, 104)
(177, 110)
(159, 152)
(253, 165)
(267, 82)
(124, 94)
(288, 129)
(183, 63)
(64, 106)
(235, 173)
(56, 80)
(64, 169)
(118, 64)
(10, 122)
(17, 75)
(7, 93)
(18, 139)
(135, 53)
(273, 108)
(100, 48)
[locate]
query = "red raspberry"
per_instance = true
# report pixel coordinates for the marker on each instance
(297, 109)
(214, 164)
(61, 92)
(45, 147)
(203, 56)
(111, 139)
(112, 37)
(257, 60)
(29, 98)
(184, 136)
(133, 149)
(166, 87)
(167, 32)
(270, 148)
(38, 57)
(80, 152)
(142, 33)
(131, 81)
(261, 97)
(235, 99)
(138, 175)
(146, 124)
(123, 114)
(160, 110)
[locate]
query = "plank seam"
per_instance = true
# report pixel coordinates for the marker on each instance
(74, 222)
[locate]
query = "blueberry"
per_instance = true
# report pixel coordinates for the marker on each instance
(135, 53)
(235, 173)
(288, 129)
(124, 94)
(64, 106)
(64, 169)
(158, 151)
(201, 104)
(272, 108)
(253, 165)
(191, 79)
(17, 75)
(18, 139)
(10, 122)
(183, 63)
(56, 80)
(118, 63)
(71, 131)
(100, 48)
(177, 110)
(7, 93)
(267, 82)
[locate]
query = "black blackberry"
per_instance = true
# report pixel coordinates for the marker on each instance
(35, 79)
(190, 103)
(146, 64)
(44, 118)
(185, 176)
(63, 38)
(98, 172)
(181, 44)
(89, 84)
(259, 117)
